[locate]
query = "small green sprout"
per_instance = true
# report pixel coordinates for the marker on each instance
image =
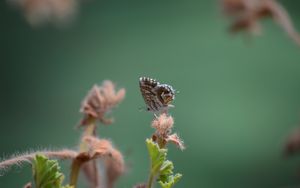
(160, 166)
(46, 173)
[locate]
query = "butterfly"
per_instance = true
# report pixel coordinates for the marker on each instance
(158, 97)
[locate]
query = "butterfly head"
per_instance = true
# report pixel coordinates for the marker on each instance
(167, 94)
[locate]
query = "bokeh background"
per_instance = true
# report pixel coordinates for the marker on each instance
(239, 97)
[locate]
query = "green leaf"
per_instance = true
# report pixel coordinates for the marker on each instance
(165, 171)
(47, 173)
(157, 155)
(160, 166)
(167, 168)
(171, 181)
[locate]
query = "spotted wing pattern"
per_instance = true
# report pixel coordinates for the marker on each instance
(156, 96)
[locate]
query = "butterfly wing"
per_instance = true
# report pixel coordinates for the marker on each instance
(148, 90)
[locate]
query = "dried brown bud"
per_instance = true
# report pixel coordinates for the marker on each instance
(245, 15)
(163, 124)
(99, 101)
(113, 159)
(97, 147)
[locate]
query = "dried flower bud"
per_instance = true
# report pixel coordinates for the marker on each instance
(163, 124)
(174, 138)
(113, 159)
(98, 147)
(246, 15)
(99, 101)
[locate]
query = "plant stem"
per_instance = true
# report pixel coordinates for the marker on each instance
(150, 180)
(88, 131)
(76, 164)
(161, 143)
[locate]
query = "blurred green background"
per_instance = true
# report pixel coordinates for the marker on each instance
(238, 99)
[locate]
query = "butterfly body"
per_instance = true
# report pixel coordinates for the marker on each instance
(157, 96)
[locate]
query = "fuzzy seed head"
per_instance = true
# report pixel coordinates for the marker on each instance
(163, 124)
(99, 101)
